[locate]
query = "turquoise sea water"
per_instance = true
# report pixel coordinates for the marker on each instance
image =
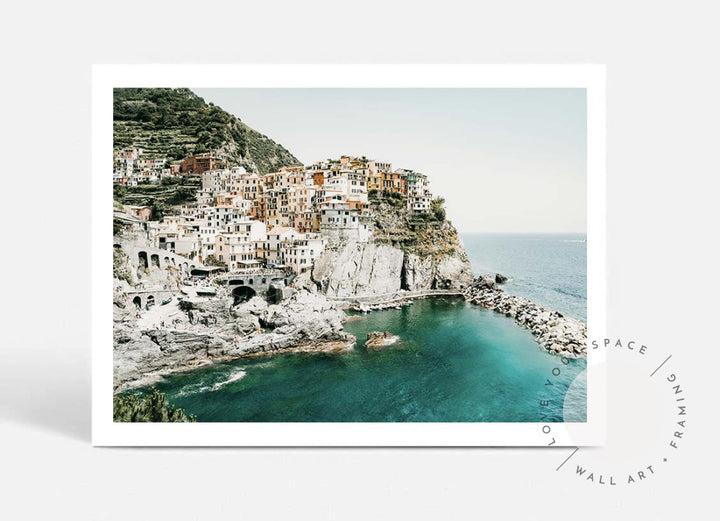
(456, 362)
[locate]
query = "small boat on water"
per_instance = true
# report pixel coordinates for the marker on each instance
(166, 301)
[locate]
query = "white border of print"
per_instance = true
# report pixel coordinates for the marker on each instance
(108, 433)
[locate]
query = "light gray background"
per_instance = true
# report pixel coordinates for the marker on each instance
(662, 255)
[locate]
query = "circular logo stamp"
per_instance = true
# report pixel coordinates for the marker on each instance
(646, 417)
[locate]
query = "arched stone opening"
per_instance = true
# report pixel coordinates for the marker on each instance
(166, 260)
(138, 302)
(242, 293)
(150, 300)
(143, 259)
(155, 260)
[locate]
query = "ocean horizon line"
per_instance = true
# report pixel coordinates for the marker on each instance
(463, 232)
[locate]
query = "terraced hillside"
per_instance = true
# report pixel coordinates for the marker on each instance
(173, 191)
(176, 123)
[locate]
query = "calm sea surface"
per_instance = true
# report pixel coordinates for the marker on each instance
(548, 269)
(456, 362)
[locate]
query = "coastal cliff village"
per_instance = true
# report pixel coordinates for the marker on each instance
(224, 263)
(237, 220)
(224, 246)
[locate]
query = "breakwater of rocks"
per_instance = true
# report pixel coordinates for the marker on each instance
(555, 332)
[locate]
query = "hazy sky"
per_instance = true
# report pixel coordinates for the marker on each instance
(505, 160)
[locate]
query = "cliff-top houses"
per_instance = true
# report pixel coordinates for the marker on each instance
(287, 218)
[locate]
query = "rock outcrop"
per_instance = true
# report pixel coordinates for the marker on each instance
(211, 329)
(555, 333)
(379, 339)
(500, 278)
(445, 271)
(405, 253)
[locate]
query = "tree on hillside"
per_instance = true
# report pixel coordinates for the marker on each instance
(153, 407)
(211, 260)
(437, 208)
(182, 195)
(171, 180)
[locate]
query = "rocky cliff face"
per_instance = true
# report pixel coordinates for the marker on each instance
(444, 271)
(405, 253)
(359, 269)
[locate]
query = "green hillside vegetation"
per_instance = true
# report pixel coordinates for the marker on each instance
(172, 191)
(428, 234)
(153, 407)
(176, 123)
